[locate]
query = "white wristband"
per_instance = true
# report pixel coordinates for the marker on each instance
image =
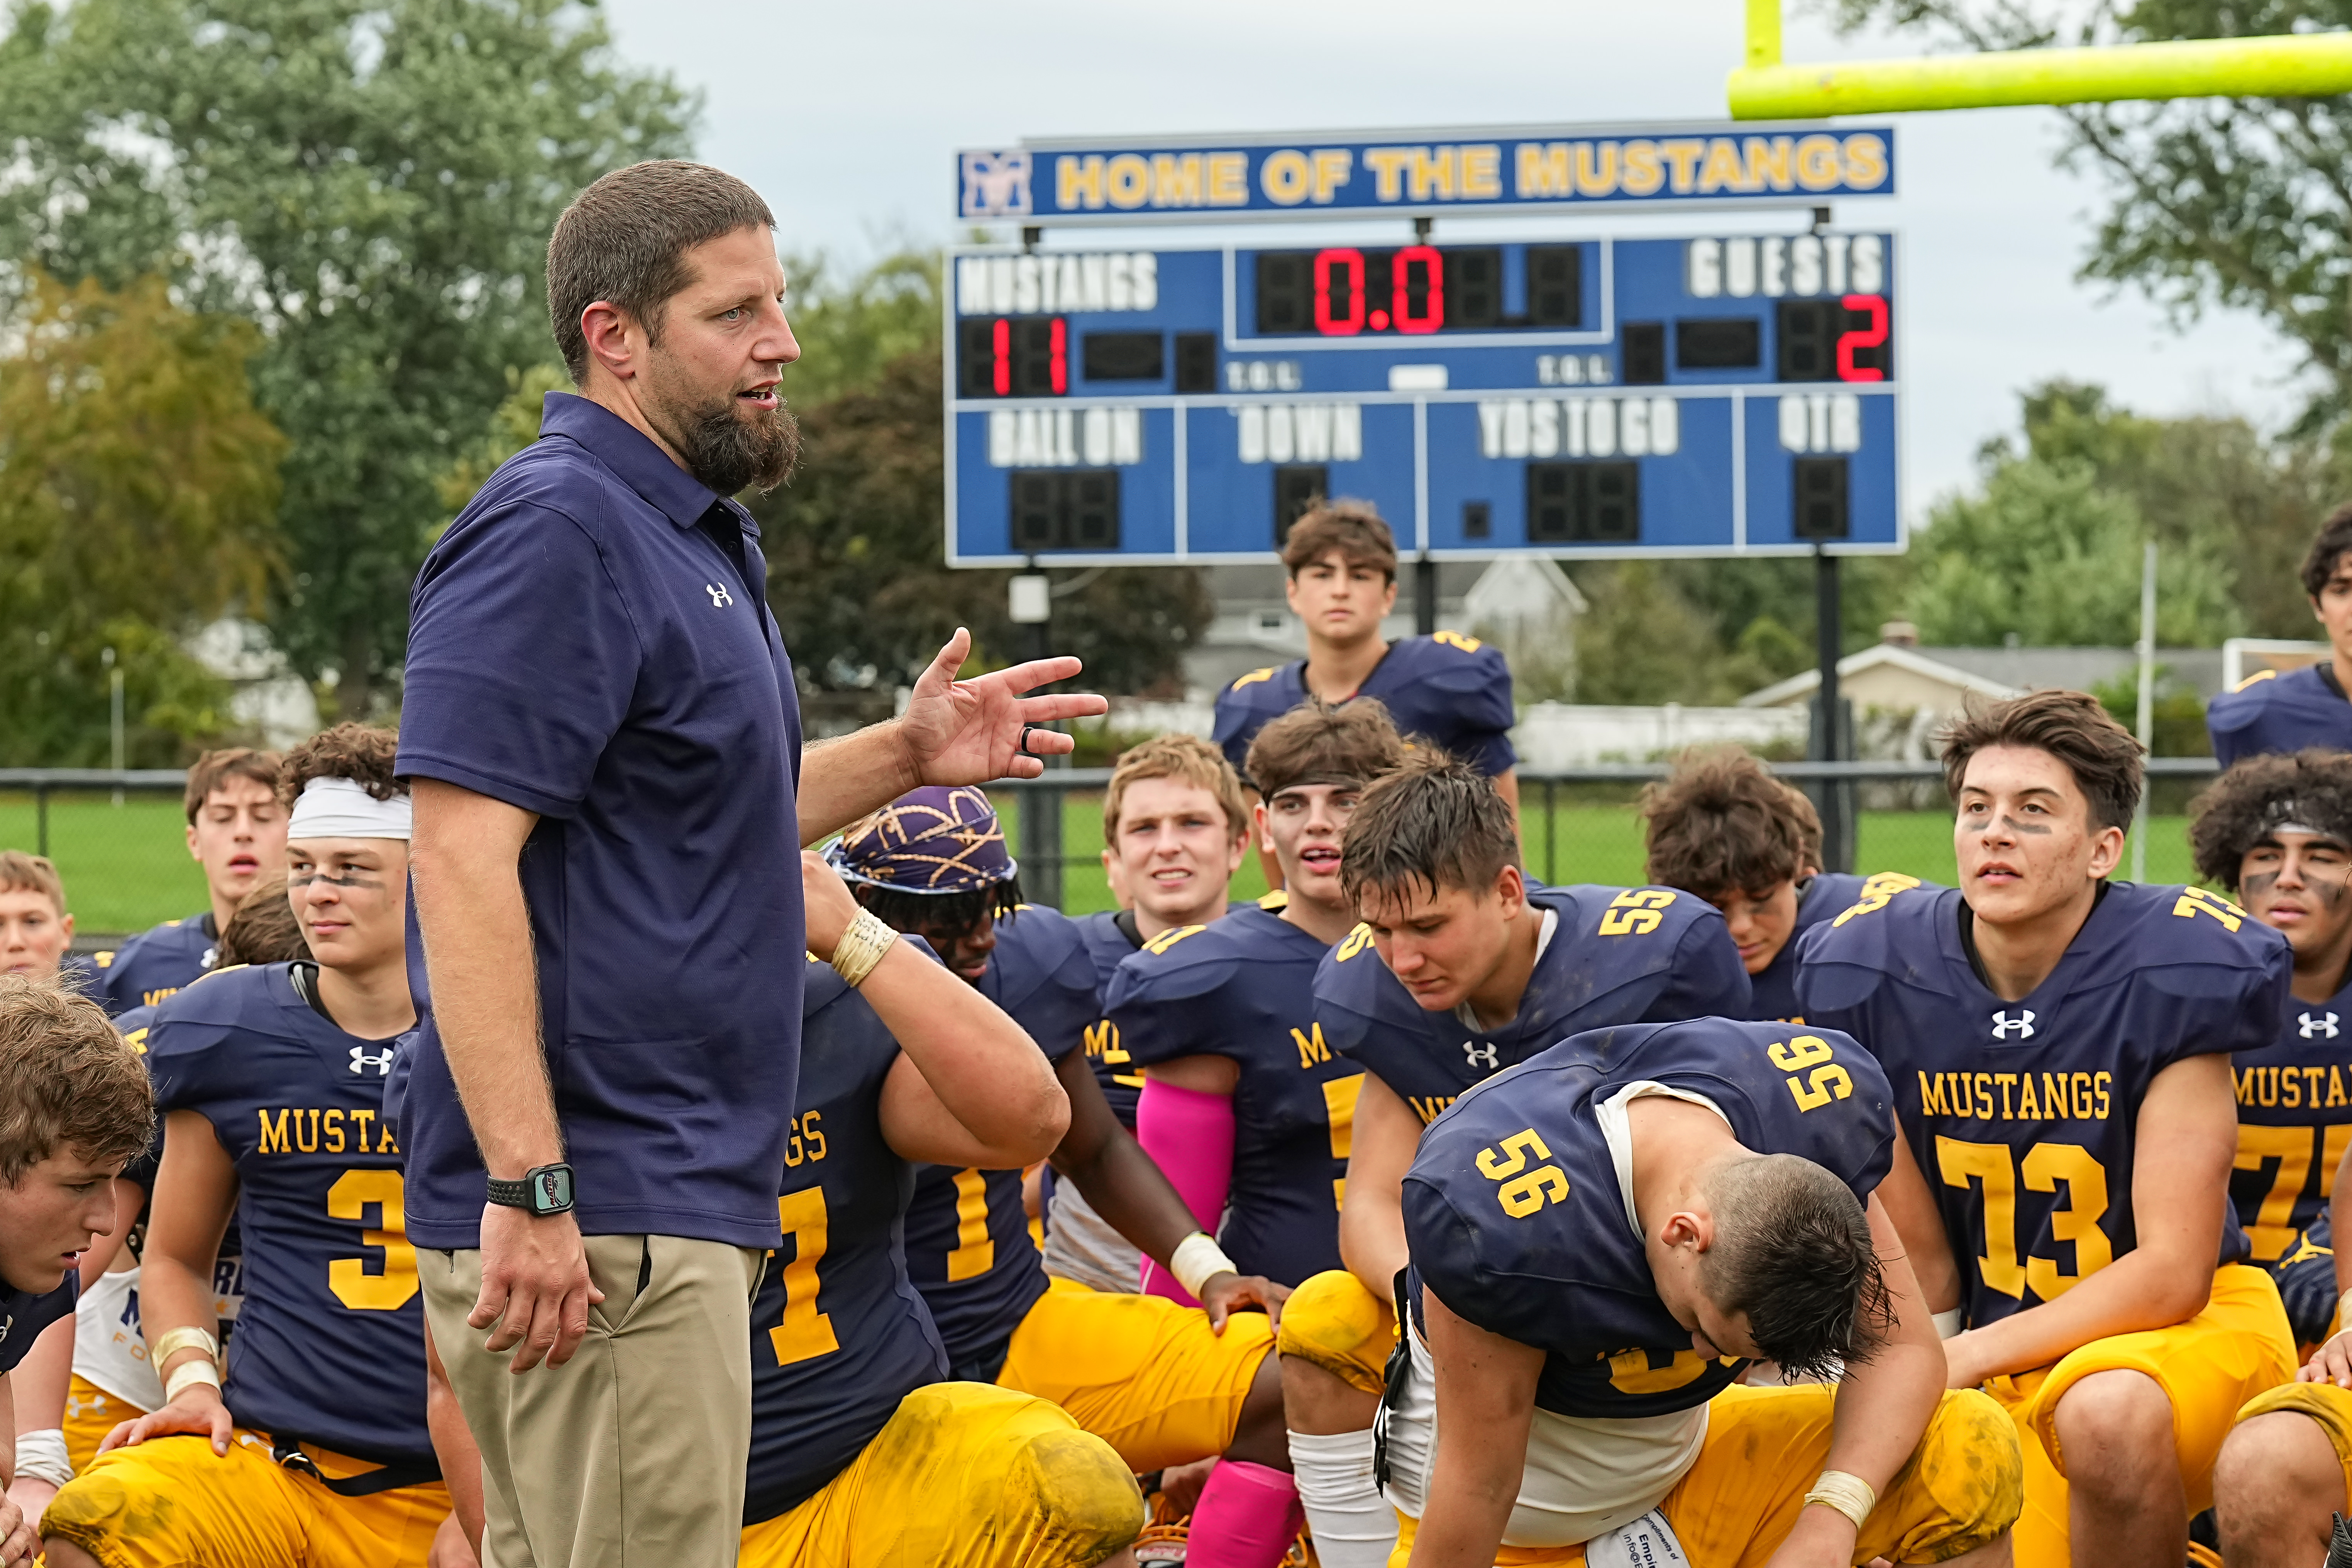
(189, 1372)
(1948, 1323)
(1197, 1257)
(42, 1456)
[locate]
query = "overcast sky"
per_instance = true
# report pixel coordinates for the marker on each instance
(847, 119)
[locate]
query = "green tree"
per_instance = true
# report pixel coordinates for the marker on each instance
(849, 329)
(2240, 203)
(139, 493)
(372, 184)
(2049, 555)
(856, 560)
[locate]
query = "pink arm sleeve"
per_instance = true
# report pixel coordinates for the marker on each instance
(1190, 1133)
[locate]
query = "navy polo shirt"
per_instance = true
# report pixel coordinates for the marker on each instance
(591, 641)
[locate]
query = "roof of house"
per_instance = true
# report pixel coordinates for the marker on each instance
(2006, 671)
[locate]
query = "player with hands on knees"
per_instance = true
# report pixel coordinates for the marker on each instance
(2059, 1049)
(1603, 1238)
(1460, 970)
(305, 1445)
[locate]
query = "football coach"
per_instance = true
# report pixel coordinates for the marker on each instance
(600, 728)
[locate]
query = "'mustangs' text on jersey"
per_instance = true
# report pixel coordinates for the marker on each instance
(330, 1344)
(967, 1242)
(1516, 1222)
(1617, 955)
(839, 1333)
(1243, 987)
(2024, 1115)
(1449, 689)
(2295, 1121)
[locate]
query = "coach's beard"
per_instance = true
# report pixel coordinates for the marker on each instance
(730, 449)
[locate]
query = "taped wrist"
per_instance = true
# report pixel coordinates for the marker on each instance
(42, 1456)
(1196, 1259)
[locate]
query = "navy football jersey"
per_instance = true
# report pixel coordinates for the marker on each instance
(839, 1334)
(330, 1344)
(2270, 712)
(1516, 1222)
(968, 1244)
(24, 1314)
(2023, 1115)
(1826, 897)
(1108, 944)
(1618, 955)
(2295, 1121)
(1449, 689)
(1243, 987)
(157, 962)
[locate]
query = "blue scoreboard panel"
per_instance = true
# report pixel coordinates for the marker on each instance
(1713, 396)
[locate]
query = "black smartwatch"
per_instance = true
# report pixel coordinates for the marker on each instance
(543, 1190)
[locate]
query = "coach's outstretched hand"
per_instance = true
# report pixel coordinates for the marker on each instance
(969, 731)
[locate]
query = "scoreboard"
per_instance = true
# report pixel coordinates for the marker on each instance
(1715, 394)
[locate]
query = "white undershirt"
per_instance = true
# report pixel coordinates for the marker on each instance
(1584, 1475)
(1468, 1015)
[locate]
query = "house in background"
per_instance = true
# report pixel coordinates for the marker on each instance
(1903, 693)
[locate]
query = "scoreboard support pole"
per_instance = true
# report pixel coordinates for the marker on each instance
(1424, 597)
(1833, 798)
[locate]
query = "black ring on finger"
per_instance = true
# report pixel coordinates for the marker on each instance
(1025, 738)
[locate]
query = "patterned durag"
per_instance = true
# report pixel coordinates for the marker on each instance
(936, 839)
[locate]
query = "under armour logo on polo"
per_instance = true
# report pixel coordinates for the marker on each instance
(381, 1061)
(1480, 1055)
(2323, 1027)
(2003, 1026)
(719, 597)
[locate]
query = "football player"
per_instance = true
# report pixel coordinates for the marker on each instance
(1165, 1385)
(1601, 1240)
(862, 1455)
(271, 1078)
(2277, 832)
(2268, 711)
(2043, 1026)
(1175, 828)
(75, 1106)
(93, 1371)
(1450, 689)
(1245, 1105)
(1723, 828)
(36, 930)
(1460, 971)
(237, 832)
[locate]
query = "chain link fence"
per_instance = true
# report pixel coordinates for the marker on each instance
(119, 840)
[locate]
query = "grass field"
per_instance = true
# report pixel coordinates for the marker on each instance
(125, 869)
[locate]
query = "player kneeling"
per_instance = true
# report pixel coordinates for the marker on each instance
(1601, 1240)
(862, 1455)
(2059, 1047)
(271, 1078)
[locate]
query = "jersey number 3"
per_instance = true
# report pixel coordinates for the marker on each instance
(389, 1289)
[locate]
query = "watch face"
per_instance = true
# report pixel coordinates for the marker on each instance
(552, 1191)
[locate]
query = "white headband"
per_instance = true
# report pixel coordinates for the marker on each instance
(340, 808)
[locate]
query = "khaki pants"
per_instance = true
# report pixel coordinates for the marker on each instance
(630, 1455)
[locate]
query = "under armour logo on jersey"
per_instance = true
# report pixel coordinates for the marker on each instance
(1480, 1055)
(381, 1061)
(211, 957)
(2323, 1027)
(719, 597)
(2022, 1026)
